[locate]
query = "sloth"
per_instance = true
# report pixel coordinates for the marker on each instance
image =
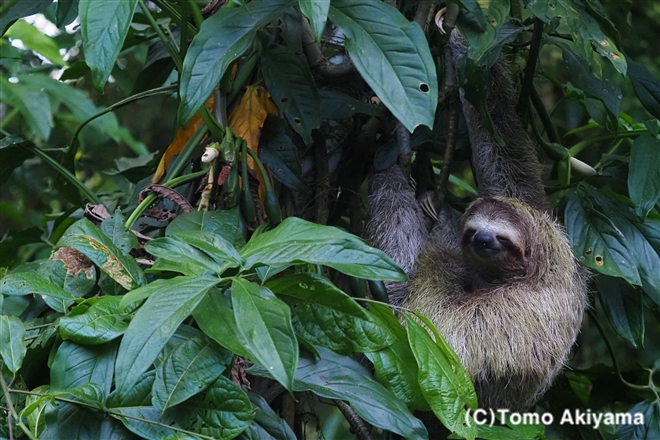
(500, 283)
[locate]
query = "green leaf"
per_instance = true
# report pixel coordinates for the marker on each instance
(23, 283)
(597, 242)
(444, 382)
(265, 323)
(228, 224)
(139, 395)
(337, 105)
(340, 377)
(647, 87)
(70, 270)
(624, 308)
(34, 105)
(223, 410)
(155, 286)
(317, 13)
(298, 241)
(37, 41)
(14, 153)
(324, 315)
(278, 152)
(190, 367)
(646, 422)
(474, 8)
(153, 325)
(581, 75)
(395, 366)
(222, 38)
(114, 228)
(290, 83)
(393, 57)
(104, 26)
(644, 173)
(87, 239)
(21, 9)
(182, 255)
(574, 19)
(67, 11)
(214, 245)
(12, 342)
(102, 322)
(75, 365)
(215, 317)
(268, 419)
(138, 422)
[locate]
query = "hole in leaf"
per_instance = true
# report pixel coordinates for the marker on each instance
(588, 251)
(424, 87)
(297, 120)
(283, 100)
(599, 260)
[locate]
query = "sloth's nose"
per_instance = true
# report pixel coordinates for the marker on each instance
(486, 241)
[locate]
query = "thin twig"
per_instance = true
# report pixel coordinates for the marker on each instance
(452, 130)
(13, 413)
(549, 127)
(530, 68)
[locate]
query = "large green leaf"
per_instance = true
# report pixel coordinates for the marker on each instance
(265, 323)
(395, 366)
(21, 9)
(188, 259)
(646, 426)
(222, 38)
(104, 25)
(75, 365)
(190, 367)
(317, 13)
(34, 105)
(146, 422)
(14, 153)
(214, 245)
(100, 323)
(290, 83)
(278, 152)
(573, 18)
(443, 381)
(215, 317)
(597, 242)
(114, 228)
(24, 283)
(12, 342)
(624, 307)
(647, 87)
(324, 315)
(228, 224)
(298, 241)
(37, 41)
(644, 173)
(337, 105)
(87, 239)
(223, 410)
(393, 57)
(340, 377)
(581, 76)
(269, 421)
(153, 325)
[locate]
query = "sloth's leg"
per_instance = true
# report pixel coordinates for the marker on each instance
(396, 224)
(508, 170)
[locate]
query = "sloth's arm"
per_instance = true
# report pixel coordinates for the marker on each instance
(396, 224)
(509, 170)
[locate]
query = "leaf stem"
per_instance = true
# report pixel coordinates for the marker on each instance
(196, 12)
(615, 363)
(68, 175)
(144, 204)
(12, 411)
(577, 148)
(118, 104)
(173, 53)
(113, 413)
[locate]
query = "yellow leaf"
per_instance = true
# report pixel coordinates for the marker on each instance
(182, 137)
(247, 120)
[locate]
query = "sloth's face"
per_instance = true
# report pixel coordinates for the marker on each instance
(493, 238)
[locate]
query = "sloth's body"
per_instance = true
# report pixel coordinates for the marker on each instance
(500, 283)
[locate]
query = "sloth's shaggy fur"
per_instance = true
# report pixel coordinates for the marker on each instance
(512, 311)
